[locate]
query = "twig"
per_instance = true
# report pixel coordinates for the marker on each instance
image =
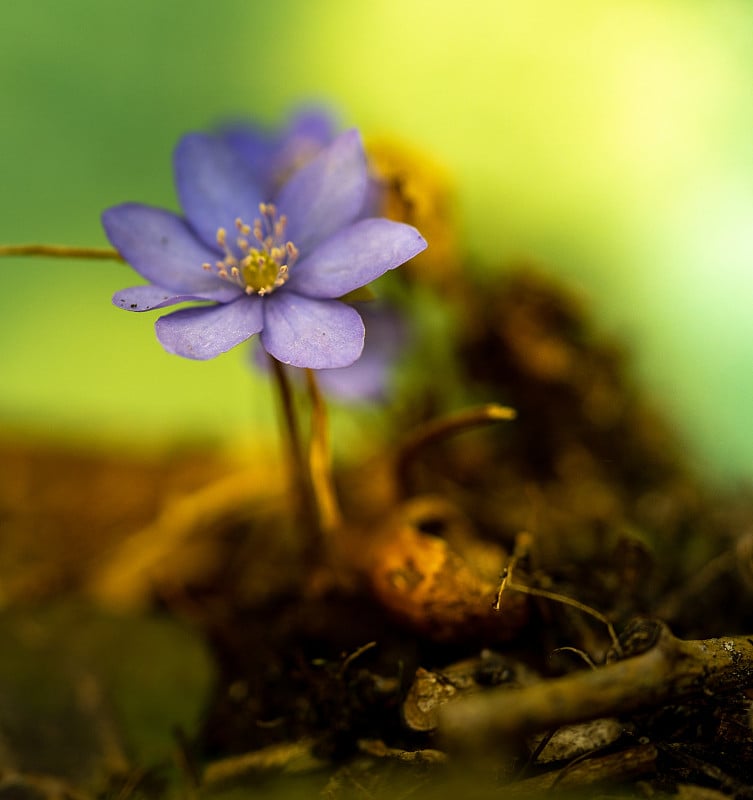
(354, 655)
(669, 670)
(60, 251)
(567, 601)
(609, 769)
(287, 757)
(522, 551)
(378, 749)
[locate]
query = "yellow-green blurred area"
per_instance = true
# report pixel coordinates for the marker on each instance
(609, 142)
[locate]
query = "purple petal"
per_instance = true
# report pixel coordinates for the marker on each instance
(307, 133)
(368, 379)
(205, 332)
(161, 247)
(256, 146)
(354, 257)
(146, 298)
(214, 186)
(314, 124)
(363, 381)
(327, 194)
(273, 155)
(374, 201)
(318, 334)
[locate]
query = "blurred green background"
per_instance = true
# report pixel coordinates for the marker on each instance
(611, 141)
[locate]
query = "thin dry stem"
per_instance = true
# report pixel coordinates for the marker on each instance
(320, 460)
(298, 467)
(561, 598)
(444, 427)
(61, 251)
(522, 549)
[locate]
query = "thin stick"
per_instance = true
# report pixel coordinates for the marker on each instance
(444, 427)
(320, 460)
(298, 468)
(288, 757)
(354, 655)
(60, 251)
(567, 601)
(522, 548)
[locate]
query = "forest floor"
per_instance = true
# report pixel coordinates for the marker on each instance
(557, 602)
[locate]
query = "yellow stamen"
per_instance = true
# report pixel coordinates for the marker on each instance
(262, 268)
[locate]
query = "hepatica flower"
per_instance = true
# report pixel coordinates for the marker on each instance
(275, 266)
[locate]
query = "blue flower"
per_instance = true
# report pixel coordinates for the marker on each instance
(273, 154)
(268, 265)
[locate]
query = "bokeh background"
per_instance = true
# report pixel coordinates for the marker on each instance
(610, 141)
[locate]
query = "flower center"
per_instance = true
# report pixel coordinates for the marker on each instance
(260, 258)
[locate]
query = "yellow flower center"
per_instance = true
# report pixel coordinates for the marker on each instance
(260, 258)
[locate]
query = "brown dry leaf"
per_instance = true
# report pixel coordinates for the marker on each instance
(431, 571)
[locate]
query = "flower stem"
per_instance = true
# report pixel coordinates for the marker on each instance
(320, 460)
(60, 251)
(438, 429)
(300, 475)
